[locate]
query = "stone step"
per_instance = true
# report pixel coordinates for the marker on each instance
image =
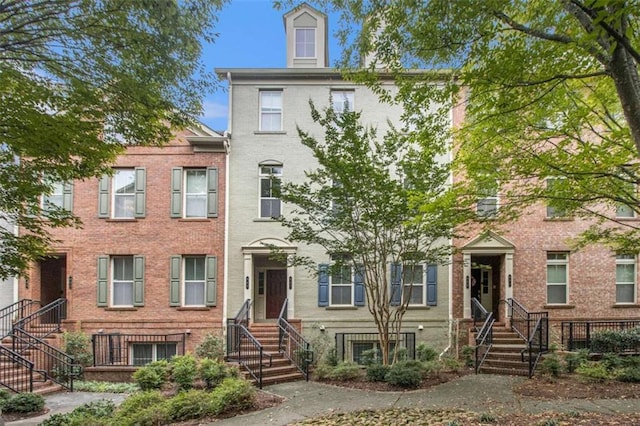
(504, 371)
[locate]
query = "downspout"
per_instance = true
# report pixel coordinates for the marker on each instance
(227, 133)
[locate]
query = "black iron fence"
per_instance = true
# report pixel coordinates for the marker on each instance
(353, 346)
(292, 344)
(16, 312)
(578, 334)
(118, 349)
(17, 373)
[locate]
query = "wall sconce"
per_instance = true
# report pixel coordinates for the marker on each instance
(321, 327)
(467, 281)
(420, 327)
(187, 332)
(26, 282)
(509, 280)
(290, 283)
(246, 283)
(70, 281)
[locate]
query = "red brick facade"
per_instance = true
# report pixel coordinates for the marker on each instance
(156, 237)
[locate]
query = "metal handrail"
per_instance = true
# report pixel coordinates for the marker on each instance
(539, 347)
(14, 379)
(292, 345)
(521, 323)
(478, 313)
(250, 353)
(521, 318)
(484, 341)
(242, 317)
(15, 312)
(49, 318)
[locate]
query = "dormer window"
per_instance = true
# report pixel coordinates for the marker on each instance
(305, 42)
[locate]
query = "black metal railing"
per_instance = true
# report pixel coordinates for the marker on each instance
(484, 340)
(292, 344)
(117, 349)
(537, 344)
(19, 376)
(11, 314)
(350, 346)
(46, 320)
(478, 313)
(49, 363)
(243, 347)
(577, 334)
(523, 321)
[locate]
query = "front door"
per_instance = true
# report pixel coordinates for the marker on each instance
(276, 291)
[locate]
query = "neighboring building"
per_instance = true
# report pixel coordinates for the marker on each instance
(9, 286)
(149, 256)
(267, 105)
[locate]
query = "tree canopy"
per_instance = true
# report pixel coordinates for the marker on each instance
(80, 80)
(371, 202)
(551, 89)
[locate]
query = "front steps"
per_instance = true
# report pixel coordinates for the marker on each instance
(505, 356)
(281, 369)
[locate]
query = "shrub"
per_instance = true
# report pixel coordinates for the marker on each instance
(487, 418)
(468, 355)
(233, 394)
(148, 378)
(551, 365)
(574, 360)
(323, 371)
(4, 394)
(630, 375)
(615, 341)
(212, 372)
(345, 371)
(111, 387)
(78, 345)
(377, 372)
(451, 363)
(425, 353)
(611, 361)
(594, 371)
(370, 357)
(190, 404)
(184, 371)
(332, 357)
(142, 408)
(23, 403)
(321, 343)
(405, 374)
(210, 347)
(401, 354)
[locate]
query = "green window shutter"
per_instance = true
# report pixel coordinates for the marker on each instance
(138, 280)
(176, 192)
(174, 280)
(103, 283)
(212, 192)
(212, 280)
(103, 196)
(140, 185)
(67, 196)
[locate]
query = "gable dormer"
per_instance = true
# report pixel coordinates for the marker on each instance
(307, 38)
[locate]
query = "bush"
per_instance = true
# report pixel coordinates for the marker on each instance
(377, 372)
(184, 371)
(594, 371)
(233, 395)
(78, 345)
(612, 361)
(468, 355)
(401, 354)
(190, 404)
(551, 365)
(425, 353)
(370, 357)
(111, 387)
(345, 371)
(332, 357)
(405, 374)
(615, 341)
(630, 375)
(143, 409)
(210, 347)
(574, 360)
(323, 371)
(23, 403)
(451, 363)
(212, 372)
(148, 378)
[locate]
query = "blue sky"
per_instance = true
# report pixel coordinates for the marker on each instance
(251, 35)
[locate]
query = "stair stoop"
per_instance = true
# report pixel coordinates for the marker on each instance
(505, 355)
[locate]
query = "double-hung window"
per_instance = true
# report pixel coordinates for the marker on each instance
(487, 206)
(61, 196)
(144, 353)
(194, 192)
(122, 196)
(557, 277)
(413, 280)
(270, 179)
(626, 210)
(625, 278)
(305, 42)
(341, 286)
(120, 281)
(193, 281)
(270, 110)
(553, 209)
(342, 100)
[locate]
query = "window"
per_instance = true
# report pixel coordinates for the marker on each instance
(625, 211)
(361, 356)
(553, 210)
(487, 206)
(413, 280)
(193, 281)
(270, 110)
(122, 196)
(194, 192)
(120, 281)
(270, 178)
(342, 100)
(144, 353)
(305, 43)
(341, 286)
(61, 196)
(625, 278)
(557, 277)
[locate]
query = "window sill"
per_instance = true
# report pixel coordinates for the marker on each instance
(625, 305)
(269, 132)
(115, 219)
(265, 219)
(193, 308)
(628, 219)
(118, 309)
(341, 308)
(194, 219)
(418, 308)
(559, 306)
(559, 219)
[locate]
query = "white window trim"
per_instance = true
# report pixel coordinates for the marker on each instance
(295, 43)
(423, 284)
(350, 284)
(566, 278)
(262, 176)
(183, 282)
(186, 194)
(113, 281)
(261, 112)
(633, 262)
(113, 194)
(618, 216)
(547, 206)
(154, 350)
(351, 101)
(58, 190)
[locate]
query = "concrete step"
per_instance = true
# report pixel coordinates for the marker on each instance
(504, 371)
